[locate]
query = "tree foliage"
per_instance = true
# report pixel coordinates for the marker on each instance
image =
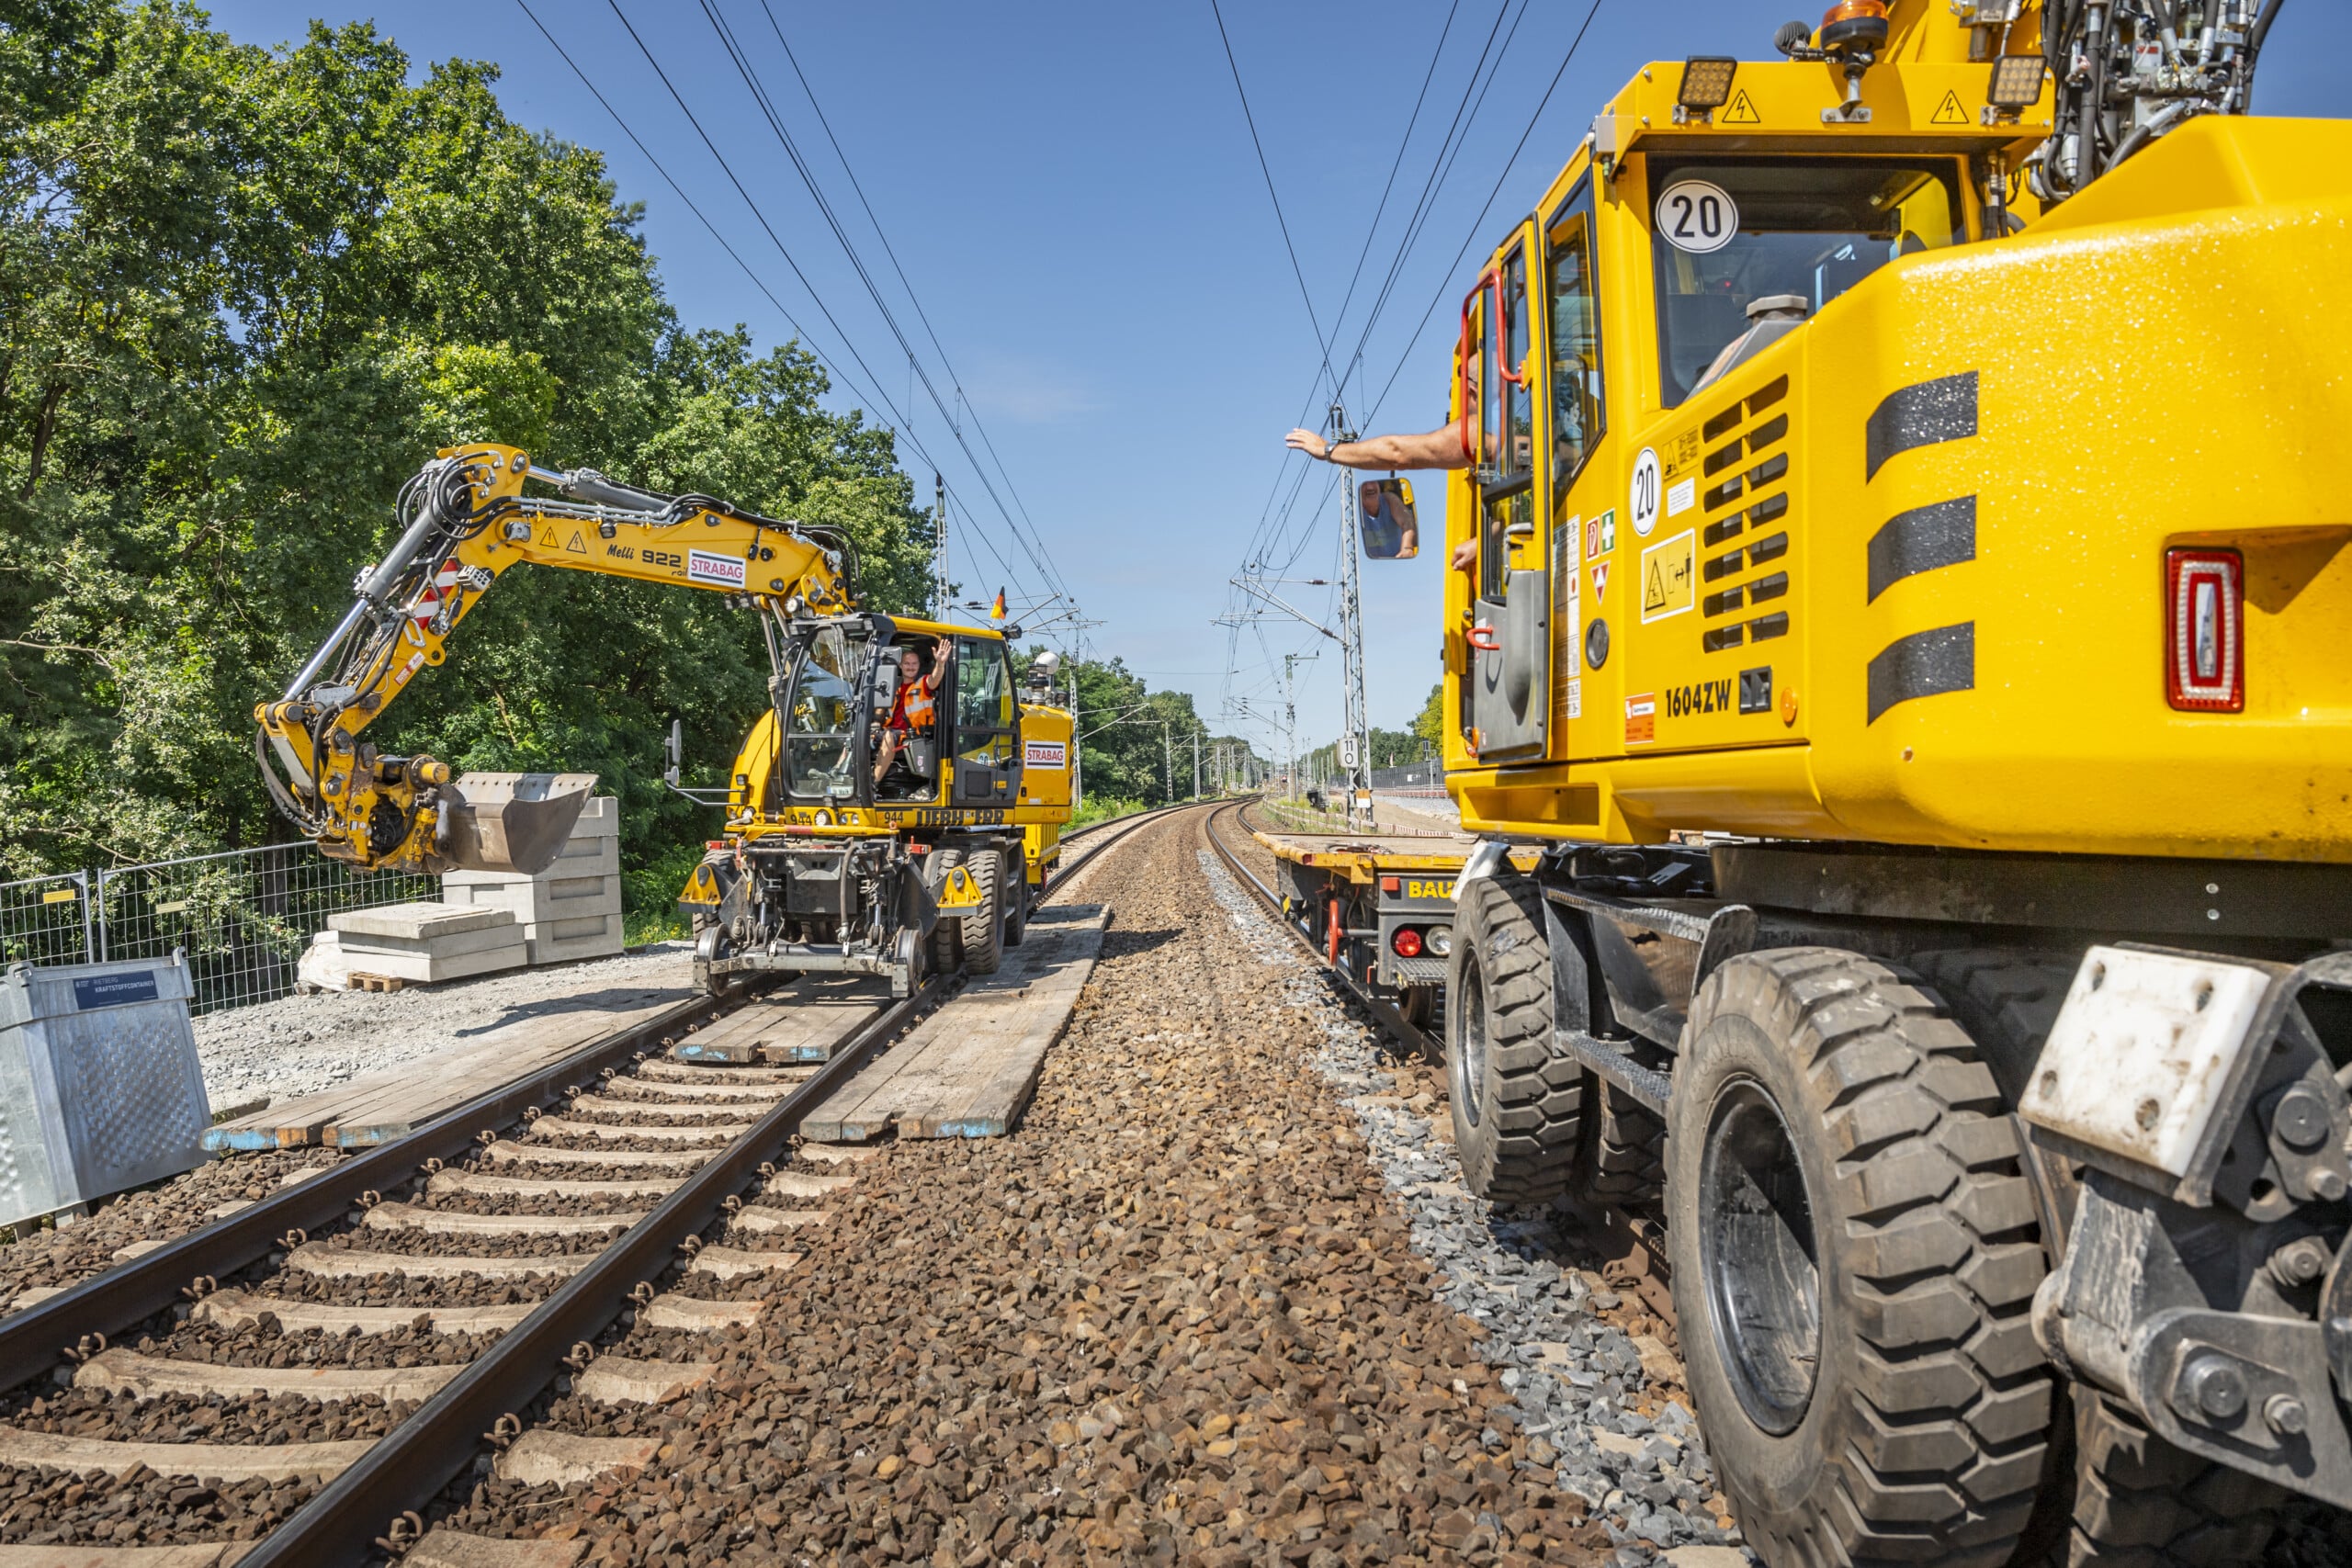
(1135, 742)
(246, 293)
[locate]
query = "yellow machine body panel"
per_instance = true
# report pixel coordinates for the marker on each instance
(1900, 575)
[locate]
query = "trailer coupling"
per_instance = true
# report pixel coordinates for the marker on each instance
(2204, 1279)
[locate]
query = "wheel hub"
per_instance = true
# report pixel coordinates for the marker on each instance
(1759, 1256)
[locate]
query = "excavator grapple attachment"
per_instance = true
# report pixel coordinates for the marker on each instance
(509, 822)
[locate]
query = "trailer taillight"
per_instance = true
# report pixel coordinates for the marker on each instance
(2205, 630)
(1407, 941)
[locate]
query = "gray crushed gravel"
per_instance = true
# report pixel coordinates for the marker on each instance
(1607, 1414)
(300, 1045)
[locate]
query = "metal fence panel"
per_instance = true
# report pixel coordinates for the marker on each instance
(45, 919)
(244, 916)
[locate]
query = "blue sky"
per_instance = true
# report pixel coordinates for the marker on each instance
(1073, 194)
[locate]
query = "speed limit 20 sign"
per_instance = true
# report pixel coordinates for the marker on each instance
(1697, 216)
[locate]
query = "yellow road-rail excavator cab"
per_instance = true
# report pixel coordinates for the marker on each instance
(1809, 507)
(1907, 620)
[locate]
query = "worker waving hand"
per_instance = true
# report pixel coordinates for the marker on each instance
(914, 711)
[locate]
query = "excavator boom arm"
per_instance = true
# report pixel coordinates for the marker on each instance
(467, 523)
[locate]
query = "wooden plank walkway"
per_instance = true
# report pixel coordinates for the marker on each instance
(969, 1069)
(383, 1106)
(811, 1016)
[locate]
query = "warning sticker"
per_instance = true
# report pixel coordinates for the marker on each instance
(1741, 110)
(1951, 111)
(578, 547)
(703, 567)
(1576, 698)
(1640, 719)
(1600, 582)
(1669, 582)
(548, 539)
(1679, 495)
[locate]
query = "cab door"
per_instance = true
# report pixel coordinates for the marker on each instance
(987, 724)
(1510, 631)
(1583, 522)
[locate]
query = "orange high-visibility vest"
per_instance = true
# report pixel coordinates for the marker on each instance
(914, 706)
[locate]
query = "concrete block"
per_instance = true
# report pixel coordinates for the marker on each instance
(602, 943)
(419, 927)
(581, 857)
(535, 901)
(426, 967)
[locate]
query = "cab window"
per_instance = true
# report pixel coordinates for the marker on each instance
(1724, 235)
(1578, 414)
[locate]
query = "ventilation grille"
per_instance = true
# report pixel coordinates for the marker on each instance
(1745, 536)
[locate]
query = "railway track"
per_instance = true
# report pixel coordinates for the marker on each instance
(1632, 1246)
(320, 1364)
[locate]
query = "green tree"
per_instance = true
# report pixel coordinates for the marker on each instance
(247, 293)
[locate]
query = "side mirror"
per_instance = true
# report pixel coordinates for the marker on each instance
(674, 749)
(1385, 516)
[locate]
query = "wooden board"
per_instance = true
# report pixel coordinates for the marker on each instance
(816, 1011)
(371, 1110)
(968, 1071)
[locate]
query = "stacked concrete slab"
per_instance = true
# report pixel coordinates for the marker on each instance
(570, 910)
(427, 942)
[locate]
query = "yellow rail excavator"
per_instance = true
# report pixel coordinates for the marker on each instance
(858, 839)
(1912, 583)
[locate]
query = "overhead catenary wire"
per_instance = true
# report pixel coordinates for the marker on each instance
(870, 390)
(880, 233)
(1322, 345)
(741, 59)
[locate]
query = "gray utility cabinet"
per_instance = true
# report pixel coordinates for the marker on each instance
(99, 1086)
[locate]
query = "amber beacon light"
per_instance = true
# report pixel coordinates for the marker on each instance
(2205, 630)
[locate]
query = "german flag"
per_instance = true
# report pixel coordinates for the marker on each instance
(996, 611)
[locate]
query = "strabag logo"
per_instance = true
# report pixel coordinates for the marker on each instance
(703, 567)
(1046, 754)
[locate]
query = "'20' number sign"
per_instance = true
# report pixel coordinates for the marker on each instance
(1697, 216)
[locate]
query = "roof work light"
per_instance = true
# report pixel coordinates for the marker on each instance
(1706, 81)
(2017, 81)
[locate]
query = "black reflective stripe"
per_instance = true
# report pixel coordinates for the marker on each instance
(1922, 665)
(1942, 410)
(1921, 540)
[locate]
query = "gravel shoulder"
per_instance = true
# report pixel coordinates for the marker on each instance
(299, 1045)
(1184, 1313)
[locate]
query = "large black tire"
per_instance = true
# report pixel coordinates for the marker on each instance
(1517, 1106)
(2122, 1496)
(1847, 1198)
(1623, 1163)
(947, 935)
(1016, 897)
(984, 927)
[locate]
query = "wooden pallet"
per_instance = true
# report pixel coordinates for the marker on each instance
(970, 1070)
(365, 982)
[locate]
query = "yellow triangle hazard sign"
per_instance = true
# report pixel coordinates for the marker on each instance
(1741, 110)
(1951, 111)
(1654, 590)
(576, 547)
(547, 538)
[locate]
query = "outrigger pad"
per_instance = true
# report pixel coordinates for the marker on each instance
(509, 822)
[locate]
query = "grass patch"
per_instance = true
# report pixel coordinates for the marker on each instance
(649, 896)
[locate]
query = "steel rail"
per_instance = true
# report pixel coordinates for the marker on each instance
(413, 1462)
(1430, 1046)
(32, 1342)
(1635, 1241)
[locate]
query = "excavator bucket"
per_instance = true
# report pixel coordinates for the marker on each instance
(509, 822)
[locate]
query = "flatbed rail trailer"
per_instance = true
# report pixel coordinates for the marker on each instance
(1378, 906)
(1913, 465)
